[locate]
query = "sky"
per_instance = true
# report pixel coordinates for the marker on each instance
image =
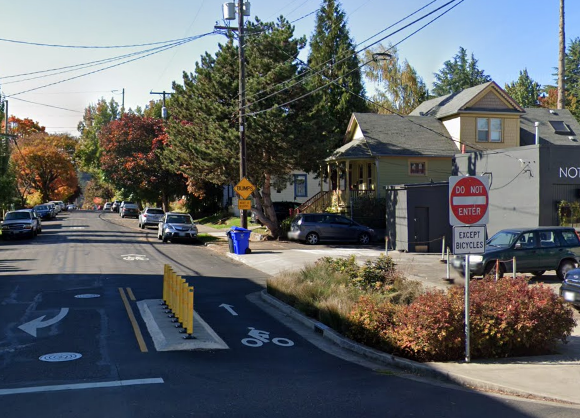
(505, 37)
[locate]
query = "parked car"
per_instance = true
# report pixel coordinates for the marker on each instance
(150, 216)
(570, 288)
(34, 217)
(282, 210)
(70, 207)
(129, 209)
(176, 225)
(45, 212)
(57, 206)
(315, 227)
(20, 223)
(535, 250)
(115, 206)
(123, 203)
(107, 206)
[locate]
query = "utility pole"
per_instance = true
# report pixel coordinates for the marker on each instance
(562, 61)
(123, 103)
(163, 109)
(243, 9)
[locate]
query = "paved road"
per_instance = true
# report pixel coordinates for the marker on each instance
(121, 375)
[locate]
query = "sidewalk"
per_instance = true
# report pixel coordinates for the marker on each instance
(554, 377)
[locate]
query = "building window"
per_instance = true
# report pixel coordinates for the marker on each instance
(370, 185)
(489, 130)
(361, 177)
(300, 185)
(418, 168)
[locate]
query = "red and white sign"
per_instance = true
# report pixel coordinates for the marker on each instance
(468, 200)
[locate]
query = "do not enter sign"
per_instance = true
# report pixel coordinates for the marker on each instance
(468, 200)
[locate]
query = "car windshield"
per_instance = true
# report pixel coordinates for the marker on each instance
(155, 211)
(41, 207)
(17, 215)
(179, 219)
(503, 239)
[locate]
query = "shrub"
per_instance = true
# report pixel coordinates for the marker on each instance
(370, 322)
(507, 318)
(347, 266)
(374, 274)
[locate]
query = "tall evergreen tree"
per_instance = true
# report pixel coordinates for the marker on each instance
(203, 125)
(400, 88)
(572, 77)
(458, 74)
(524, 90)
(333, 57)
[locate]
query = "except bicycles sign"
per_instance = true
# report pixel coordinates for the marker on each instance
(468, 200)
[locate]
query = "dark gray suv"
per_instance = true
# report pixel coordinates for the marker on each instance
(315, 227)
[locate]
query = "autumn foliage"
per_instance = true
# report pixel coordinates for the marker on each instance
(44, 168)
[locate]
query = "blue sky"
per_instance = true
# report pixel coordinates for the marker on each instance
(504, 35)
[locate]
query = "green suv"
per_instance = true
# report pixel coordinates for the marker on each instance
(535, 250)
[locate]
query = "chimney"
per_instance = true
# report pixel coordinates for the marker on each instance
(537, 125)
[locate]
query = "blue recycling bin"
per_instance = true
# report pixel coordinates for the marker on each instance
(240, 238)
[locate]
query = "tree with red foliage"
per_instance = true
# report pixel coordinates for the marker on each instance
(130, 159)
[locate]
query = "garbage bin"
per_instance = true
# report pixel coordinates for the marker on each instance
(230, 241)
(240, 238)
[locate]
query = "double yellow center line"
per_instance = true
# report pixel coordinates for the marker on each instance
(131, 315)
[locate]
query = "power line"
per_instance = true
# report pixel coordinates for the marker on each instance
(91, 46)
(355, 69)
(164, 48)
(43, 104)
(305, 76)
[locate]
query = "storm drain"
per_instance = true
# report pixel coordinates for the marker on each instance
(56, 357)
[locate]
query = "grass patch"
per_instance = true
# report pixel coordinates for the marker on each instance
(219, 221)
(208, 239)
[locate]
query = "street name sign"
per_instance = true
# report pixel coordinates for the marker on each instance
(244, 188)
(468, 240)
(468, 200)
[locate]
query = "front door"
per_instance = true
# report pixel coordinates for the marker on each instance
(421, 226)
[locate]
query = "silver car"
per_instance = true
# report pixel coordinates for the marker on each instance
(20, 223)
(150, 216)
(315, 227)
(175, 226)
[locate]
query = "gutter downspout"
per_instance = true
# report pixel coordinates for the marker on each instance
(537, 125)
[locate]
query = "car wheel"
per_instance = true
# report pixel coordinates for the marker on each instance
(165, 239)
(142, 226)
(158, 236)
(538, 273)
(312, 238)
(364, 238)
(564, 267)
(490, 269)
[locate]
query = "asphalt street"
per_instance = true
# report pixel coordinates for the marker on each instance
(70, 294)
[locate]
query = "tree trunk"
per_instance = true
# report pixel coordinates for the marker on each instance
(562, 57)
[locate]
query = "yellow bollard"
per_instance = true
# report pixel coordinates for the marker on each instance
(165, 270)
(172, 294)
(188, 325)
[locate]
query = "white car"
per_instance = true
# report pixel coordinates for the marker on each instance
(175, 226)
(150, 216)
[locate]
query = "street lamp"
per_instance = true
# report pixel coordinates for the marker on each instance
(229, 11)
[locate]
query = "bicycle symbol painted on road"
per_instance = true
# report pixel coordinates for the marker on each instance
(134, 257)
(258, 338)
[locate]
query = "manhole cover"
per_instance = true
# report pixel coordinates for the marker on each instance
(87, 296)
(54, 357)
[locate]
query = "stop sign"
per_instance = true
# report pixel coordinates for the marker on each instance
(468, 200)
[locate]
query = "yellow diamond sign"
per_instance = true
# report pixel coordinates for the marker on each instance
(244, 188)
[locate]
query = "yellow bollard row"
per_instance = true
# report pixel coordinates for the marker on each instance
(178, 296)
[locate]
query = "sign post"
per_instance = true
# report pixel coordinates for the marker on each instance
(468, 213)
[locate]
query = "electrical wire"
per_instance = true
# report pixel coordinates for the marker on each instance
(164, 48)
(351, 71)
(46, 105)
(306, 77)
(91, 46)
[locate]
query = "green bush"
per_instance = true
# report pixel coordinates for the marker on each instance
(371, 322)
(508, 318)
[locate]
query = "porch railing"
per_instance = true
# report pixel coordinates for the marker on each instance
(317, 203)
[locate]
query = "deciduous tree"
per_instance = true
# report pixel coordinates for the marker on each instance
(400, 89)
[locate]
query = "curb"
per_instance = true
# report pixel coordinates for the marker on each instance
(421, 369)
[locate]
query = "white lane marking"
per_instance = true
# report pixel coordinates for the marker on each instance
(229, 308)
(87, 296)
(57, 357)
(77, 386)
(134, 257)
(32, 326)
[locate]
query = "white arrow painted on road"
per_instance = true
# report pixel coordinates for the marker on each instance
(32, 326)
(229, 309)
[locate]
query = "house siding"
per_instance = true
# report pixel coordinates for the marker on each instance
(510, 132)
(395, 170)
(491, 101)
(287, 194)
